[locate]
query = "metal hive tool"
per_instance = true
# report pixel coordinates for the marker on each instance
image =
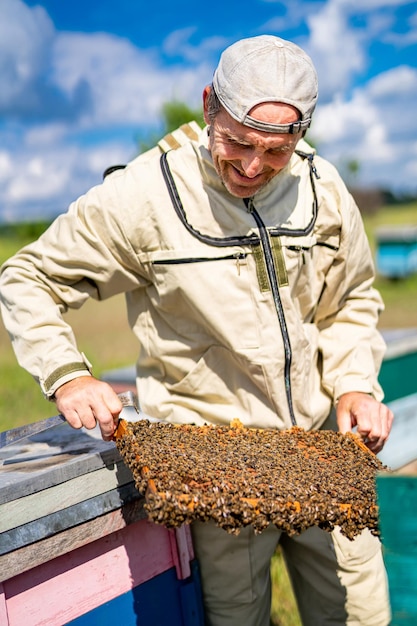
(237, 476)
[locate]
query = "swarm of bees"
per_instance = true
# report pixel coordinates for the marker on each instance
(236, 476)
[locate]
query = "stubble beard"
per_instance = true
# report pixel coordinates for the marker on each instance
(225, 173)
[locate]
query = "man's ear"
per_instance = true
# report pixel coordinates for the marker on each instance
(206, 92)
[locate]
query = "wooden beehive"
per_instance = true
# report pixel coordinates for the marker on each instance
(397, 501)
(76, 545)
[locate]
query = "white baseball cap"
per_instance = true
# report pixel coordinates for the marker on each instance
(266, 69)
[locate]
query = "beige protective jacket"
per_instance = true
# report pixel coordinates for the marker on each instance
(262, 311)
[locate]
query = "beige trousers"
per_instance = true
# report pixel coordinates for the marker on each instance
(336, 581)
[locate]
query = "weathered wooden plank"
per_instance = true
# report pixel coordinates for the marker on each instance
(66, 587)
(28, 557)
(408, 470)
(400, 341)
(182, 551)
(62, 496)
(4, 620)
(51, 458)
(181, 604)
(54, 523)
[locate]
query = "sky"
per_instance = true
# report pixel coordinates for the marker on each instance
(83, 81)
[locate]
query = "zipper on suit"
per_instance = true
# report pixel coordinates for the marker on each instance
(238, 256)
(253, 240)
(272, 275)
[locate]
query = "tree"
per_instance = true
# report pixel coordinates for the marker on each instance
(350, 170)
(174, 114)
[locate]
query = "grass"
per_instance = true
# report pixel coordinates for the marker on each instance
(284, 611)
(103, 334)
(400, 297)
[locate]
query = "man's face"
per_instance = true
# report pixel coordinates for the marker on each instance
(247, 159)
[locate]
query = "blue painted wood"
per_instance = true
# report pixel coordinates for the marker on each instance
(192, 598)
(396, 254)
(397, 501)
(398, 376)
(162, 601)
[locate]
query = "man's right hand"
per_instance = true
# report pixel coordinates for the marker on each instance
(86, 401)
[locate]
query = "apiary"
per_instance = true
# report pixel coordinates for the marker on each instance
(236, 476)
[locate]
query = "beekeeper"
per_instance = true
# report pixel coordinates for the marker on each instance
(248, 281)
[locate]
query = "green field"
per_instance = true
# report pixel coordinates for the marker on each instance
(103, 334)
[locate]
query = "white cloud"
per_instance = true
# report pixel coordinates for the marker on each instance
(46, 135)
(27, 37)
(6, 166)
(339, 35)
(375, 127)
(66, 96)
(127, 85)
(401, 81)
(42, 181)
(76, 84)
(37, 180)
(373, 123)
(336, 49)
(178, 44)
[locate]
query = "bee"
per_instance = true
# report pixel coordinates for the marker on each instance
(237, 476)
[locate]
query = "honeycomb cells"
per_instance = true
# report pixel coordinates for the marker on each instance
(236, 476)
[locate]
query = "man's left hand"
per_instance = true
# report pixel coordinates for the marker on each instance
(372, 418)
